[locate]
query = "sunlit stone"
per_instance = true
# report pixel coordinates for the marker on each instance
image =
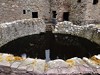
(97, 56)
(39, 66)
(58, 63)
(16, 64)
(91, 62)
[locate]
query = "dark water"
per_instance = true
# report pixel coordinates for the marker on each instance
(60, 46)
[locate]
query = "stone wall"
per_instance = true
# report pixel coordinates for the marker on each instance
(92, 12)
(14, 65)
(20, 28)
(90, 31)
(11, 10)
(79, 12)
(85, 12)
(60, 6)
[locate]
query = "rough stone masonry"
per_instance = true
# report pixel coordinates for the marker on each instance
(79, 12)
(89, 31)
(14, 65)
(20, 28)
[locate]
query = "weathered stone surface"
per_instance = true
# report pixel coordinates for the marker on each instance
(12, 10)
(57, 64)
(20, 28)
(90, 31)
(39, 66)
(30, 66)
(13, 30)
(82, 12)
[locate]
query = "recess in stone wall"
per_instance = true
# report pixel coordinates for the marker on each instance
(79, 1)
(24, 11)
(54, 14)
(95, 2)
(34, 14)
(66, 16)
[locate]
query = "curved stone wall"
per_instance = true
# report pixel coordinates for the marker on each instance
(90, 32)
(10, 65)
(20, 28)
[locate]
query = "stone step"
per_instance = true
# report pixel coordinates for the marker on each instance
(49, 27)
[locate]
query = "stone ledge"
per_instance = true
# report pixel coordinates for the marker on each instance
(9, 65)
